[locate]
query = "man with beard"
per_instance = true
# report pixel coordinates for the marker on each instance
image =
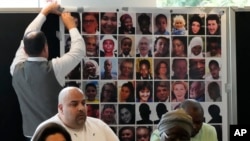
(92, 48)
(72, 115)
(126, 44)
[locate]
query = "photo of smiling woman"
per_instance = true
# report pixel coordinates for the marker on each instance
(144, 91)
(109, 23)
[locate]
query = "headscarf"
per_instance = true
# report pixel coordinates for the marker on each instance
(124, 17)
(195, 41)
(95, 64)
(110, 37)
(175, 118)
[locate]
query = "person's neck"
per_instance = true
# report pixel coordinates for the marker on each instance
(91, 53)
(76, 129)
(107, 75)
(162, 76)
(124, 77)
(143, 55)
(109, 54)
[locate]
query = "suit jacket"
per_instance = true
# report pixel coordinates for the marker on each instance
(149, 55)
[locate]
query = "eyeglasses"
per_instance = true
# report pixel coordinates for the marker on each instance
(175, 138)
(88, 21)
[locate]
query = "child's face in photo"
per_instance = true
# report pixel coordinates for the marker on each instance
(162, 24)
(91, 93)
(144, 70)
(126, 46)
(179, 24)
(214, 70)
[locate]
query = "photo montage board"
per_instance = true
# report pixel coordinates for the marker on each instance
(142, 62)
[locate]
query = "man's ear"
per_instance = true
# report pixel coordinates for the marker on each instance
(60, 108)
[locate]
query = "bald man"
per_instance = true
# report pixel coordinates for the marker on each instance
(72, 115)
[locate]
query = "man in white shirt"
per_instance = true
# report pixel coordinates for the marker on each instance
(37, 80)
(72, 115)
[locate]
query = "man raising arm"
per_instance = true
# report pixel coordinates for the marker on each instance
(37, 80)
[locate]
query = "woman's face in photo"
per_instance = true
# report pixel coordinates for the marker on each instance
(109, 23)
(195, 27)
(196, 50)
(128, 23)
(144, 94)
(108, 46)
(178, 47)
(124, 93)
(163, 69)
(125, 115)
(161, 46)
(91, 69)
(179, 91)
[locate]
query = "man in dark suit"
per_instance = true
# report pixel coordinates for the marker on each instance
(126, 45)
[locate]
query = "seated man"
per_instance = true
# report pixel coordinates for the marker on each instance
(174, 125)
(202, 131)
(71, 115)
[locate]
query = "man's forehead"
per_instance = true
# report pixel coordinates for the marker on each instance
(73, 93)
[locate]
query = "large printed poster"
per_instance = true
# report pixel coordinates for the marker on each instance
(140, 65)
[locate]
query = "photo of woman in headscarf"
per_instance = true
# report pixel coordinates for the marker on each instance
(195, 48)
(127, 26)
(90, 69)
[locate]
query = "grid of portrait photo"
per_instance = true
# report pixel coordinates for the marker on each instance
(139, 66)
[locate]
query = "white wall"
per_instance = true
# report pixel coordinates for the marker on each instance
(82, 3)
(19, 3)
(110, 3)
